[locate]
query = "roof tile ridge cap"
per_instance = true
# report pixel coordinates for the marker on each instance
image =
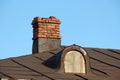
(99, 48)
(16, 57)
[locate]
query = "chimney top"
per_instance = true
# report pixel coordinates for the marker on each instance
(51, 19)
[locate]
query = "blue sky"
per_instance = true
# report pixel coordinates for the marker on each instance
(88, 23)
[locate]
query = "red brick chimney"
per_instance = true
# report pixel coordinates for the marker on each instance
(46, 34)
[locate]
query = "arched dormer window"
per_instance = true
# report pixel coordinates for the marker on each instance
(74, 62)
(74, 59)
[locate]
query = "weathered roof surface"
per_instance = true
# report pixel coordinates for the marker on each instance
(105, 64)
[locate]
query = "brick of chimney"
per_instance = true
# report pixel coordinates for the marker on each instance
(46, 34)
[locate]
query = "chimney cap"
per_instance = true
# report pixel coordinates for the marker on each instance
(51, 19)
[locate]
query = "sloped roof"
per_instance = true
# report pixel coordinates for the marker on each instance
(105, 64)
